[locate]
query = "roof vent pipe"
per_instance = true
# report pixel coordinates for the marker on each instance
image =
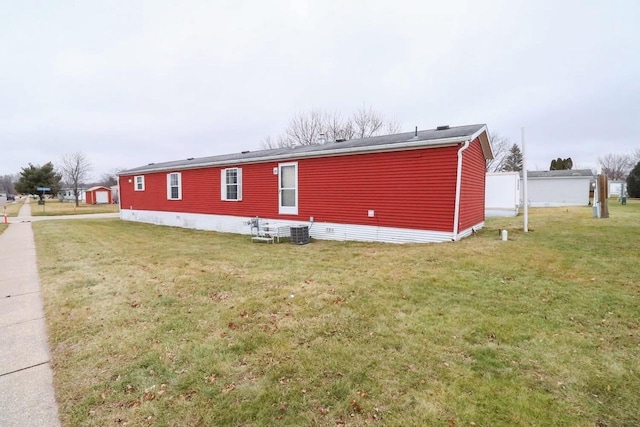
(322, 138)
(445, 127)
(415, 135)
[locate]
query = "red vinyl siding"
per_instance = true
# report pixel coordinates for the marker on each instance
(472, 195)
(407, 189)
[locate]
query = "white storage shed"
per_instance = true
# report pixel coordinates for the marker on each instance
(559, 188)
(502, 194)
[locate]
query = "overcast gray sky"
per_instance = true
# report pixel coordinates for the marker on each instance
(133, 82)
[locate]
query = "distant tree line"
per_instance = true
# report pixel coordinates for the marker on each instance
(7, 183)
(73, 172)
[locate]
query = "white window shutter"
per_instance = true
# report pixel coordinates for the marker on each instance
(239, 183)
(223, 184)
(169, 186)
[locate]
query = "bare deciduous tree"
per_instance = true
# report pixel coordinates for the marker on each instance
(7, 183)
(75, 169)
(305, 128)
(110, 178)
(338, 128)
(393, 126)
(616, 166)
(500, 145)
(367, 122)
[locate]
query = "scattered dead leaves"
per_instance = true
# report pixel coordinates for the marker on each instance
(355, 406)
(188, 396)
(219, 296)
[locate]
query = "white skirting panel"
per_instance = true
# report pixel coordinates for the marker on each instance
(499, 212)
(317, 230)
(554, 204)
(469, 231)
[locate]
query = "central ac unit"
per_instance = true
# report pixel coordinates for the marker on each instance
(300, 234)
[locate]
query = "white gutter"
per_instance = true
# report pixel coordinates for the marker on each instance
(456, 212)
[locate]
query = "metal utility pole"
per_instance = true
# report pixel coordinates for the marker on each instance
(525, 196)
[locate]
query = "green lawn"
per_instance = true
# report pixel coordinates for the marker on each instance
(163, 326)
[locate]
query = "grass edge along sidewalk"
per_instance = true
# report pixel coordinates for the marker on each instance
(54, 207)
(157, 325)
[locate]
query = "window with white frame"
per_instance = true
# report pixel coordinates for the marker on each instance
(231, 184)
(288, 188)
(174, 186)
(138, 183)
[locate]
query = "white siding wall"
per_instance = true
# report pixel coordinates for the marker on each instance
(565, 191)
(502, 194)
(615, 188)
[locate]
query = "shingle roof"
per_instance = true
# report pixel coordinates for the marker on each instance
(424, 138)
(560, 173)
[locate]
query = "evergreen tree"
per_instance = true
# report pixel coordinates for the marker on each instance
(33, 177)
(561, 164)
(568, 163)
(513, 161)
(633, 181)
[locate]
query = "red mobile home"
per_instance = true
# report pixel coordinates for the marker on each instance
(426, 186)
(98, 195)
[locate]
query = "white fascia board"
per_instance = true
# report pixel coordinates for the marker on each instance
(478, 133)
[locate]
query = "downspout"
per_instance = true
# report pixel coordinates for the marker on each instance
(456, 212)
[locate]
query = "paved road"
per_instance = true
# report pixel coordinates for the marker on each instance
(27, 395)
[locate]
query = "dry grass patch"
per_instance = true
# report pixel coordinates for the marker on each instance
(54, 207)
(163, 326)
(13, 208)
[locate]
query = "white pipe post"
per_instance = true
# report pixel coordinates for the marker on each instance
(524, 186)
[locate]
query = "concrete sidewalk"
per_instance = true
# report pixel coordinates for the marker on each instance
(26, 382)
